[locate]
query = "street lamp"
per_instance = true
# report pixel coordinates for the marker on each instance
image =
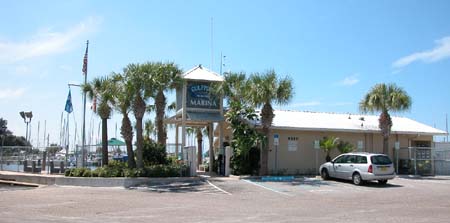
(27, 116)
(3, 135)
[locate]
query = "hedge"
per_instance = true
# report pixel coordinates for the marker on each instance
(173, 170)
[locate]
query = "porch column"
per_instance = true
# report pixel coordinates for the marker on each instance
(176, 141)
(211, 147)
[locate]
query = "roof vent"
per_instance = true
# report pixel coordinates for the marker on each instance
(200, 66)
(362, 119)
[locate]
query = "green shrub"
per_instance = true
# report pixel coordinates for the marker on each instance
(68, 172)
(154, 153)
(243, 164)
(119, 170)
(87, 173)
(172, 160)
(94, 173)
(78, 172)
(117, 164)
(132, 172)
(102, 172)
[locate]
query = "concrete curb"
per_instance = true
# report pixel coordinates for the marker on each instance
(18, 183)
(420, 177)
(91, 181)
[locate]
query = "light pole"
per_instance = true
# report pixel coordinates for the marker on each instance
(3, 135)
(27, 116)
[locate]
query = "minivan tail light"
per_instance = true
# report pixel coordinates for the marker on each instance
(370, 170)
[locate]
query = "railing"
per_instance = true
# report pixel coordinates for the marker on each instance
(29, 159)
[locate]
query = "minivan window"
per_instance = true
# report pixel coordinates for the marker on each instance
(341, 159)
(361, 159)
(380, 160)
(351, 159)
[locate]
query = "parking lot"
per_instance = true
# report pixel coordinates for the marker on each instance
(232, 200)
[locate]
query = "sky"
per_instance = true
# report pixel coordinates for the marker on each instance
(334, 51)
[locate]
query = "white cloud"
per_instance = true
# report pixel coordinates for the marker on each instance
(349, 81)
(9, 93)
(440, 52)
(46, 42)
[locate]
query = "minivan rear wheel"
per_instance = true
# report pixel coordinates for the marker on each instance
(382, 182)
(325, 174)
(357, 180)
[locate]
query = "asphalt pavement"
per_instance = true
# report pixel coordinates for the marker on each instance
(234, 200)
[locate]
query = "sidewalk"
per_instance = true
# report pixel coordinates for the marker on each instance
(50, 179)
(419, 177)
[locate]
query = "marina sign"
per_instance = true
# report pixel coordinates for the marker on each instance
(199, 96)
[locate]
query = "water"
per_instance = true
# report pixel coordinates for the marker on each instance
(12, 167)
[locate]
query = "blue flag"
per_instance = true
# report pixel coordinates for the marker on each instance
(69, 107)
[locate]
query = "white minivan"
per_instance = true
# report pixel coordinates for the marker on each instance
(359, 167)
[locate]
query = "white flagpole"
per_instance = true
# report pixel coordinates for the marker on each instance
(68, 139)
(83, 134)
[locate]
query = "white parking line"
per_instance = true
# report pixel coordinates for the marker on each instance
(218, 188)
(354, 187)
(267, 188)
(321, 191)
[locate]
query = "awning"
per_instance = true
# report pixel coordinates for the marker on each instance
(114, 142)
(205, 116)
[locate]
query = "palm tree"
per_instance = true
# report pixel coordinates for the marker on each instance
(141, 86)
(123, 105)
(102, 90)
(267, 89)
(166, 78)
(328, 144)
(385, 98)
(234, 88)
(345, 147)
(4, 127)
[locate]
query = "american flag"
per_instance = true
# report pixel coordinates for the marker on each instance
(85, 59)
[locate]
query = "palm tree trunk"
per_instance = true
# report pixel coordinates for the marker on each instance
(266, 120)
(160, 102)
(127, 133)
(199, 147)
(104, 142)
(385, 145)
(385, 124)
(139, 111)
(139, 143)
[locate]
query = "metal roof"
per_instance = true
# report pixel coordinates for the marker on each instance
(201, 73)
(320, 121)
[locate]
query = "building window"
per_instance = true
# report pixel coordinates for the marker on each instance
(360, 146)
(292, 143)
